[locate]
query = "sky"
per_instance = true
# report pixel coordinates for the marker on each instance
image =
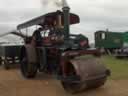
(94, 15)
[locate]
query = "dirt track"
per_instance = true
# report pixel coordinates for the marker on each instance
(13, 84)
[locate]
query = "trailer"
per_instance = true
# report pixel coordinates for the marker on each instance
(109, 41)
(9, 55)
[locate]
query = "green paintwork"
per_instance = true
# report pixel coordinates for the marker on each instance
(125, 39)
(109, 40)
(74, 42)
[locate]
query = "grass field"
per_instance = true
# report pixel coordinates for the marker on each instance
(118, 67)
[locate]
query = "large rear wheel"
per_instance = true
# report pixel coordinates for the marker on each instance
(28, 70)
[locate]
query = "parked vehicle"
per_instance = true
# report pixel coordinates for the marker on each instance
(115, 43)
(109, 41)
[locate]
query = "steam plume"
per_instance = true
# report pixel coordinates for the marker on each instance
(57, 3)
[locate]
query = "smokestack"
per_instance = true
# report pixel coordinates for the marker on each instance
(66, 12)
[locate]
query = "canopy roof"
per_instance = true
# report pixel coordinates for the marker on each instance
(48, 19)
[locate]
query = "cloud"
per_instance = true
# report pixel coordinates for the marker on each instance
(20, 4)
(94, 14)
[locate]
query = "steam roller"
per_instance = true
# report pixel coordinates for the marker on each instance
(52, 49)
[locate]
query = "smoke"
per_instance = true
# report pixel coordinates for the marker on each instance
(7, 33)
(57, 3)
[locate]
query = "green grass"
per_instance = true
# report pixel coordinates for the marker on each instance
(118, 67)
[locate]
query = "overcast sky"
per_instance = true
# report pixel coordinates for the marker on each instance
(94, 14)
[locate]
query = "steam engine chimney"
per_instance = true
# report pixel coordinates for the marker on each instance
(66, 11)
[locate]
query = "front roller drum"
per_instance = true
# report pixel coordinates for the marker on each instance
(90, 84)
(75, 87)
(97, 76)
